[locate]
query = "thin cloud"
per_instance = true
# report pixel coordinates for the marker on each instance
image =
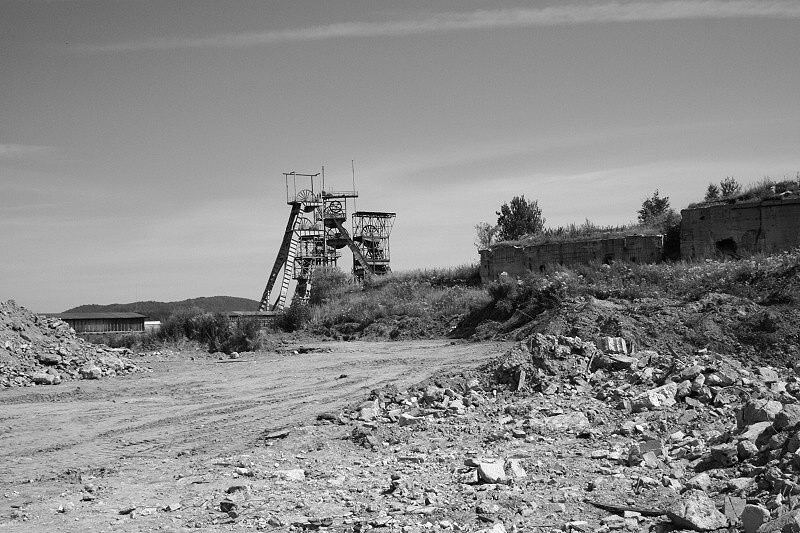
(21, 151)
(568, 15)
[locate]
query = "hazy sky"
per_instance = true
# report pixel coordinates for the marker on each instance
(142, 142)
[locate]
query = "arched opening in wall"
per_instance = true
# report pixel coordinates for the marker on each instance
(633, 259)
(608, 259)
(727, 247)
(542, 268)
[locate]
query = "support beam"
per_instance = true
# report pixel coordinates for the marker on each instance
(356, 252)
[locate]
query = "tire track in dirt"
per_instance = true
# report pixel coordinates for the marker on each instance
(205, 407)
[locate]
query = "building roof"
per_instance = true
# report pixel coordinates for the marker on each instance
(98, 316)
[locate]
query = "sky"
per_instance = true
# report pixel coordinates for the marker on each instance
(143, 142)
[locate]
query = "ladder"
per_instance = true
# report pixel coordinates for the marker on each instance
(283, 254)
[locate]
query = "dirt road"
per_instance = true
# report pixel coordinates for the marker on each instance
(95, 448)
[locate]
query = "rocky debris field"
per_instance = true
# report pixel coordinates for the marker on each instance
(557, 435)
(35, 350)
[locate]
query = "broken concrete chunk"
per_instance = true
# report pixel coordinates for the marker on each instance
(492, 473)
(658, 398)
(613, 345)
(757, 411)
(695, 510)
(768, 375)
(789, 417)
(754, 431)
(788, 523)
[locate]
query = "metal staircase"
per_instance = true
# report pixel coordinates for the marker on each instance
(287, 246)
(287, 276)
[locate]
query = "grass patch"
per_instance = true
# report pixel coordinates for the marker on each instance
(418, 303)
(589, 231)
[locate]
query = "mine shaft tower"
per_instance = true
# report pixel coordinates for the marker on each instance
(314, 235)
(371, 230)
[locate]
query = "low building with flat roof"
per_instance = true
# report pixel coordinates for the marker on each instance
(104, 322)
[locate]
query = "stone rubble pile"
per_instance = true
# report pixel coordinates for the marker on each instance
(705, 441)
(36, 350)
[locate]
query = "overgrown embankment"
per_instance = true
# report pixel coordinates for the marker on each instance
(407, 305)
(745, 307)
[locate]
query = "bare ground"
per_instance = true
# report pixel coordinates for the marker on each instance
(149, 441)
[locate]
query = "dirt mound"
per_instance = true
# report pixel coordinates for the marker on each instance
(46, 351)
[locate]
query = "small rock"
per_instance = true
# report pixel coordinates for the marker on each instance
(91, 372)
(43, 378)
(294, 474)
(226, 506)
(406, 419)
(753, 516)
(701, 481)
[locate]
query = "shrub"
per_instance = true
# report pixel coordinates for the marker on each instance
(328, 282)
(502, 288)
(294, 317)
(213, 330)
(244, 336)
(180, 324)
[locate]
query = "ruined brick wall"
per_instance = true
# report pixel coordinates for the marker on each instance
(740, 229)
(518, 260)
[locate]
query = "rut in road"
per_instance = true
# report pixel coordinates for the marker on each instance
(202, 407)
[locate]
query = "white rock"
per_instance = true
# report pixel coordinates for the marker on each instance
(492, 473)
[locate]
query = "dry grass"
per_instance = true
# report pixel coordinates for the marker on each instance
(430, 296)
(584, 232)
(761, 278)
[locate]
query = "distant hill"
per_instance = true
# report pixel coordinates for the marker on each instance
(162, 310)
